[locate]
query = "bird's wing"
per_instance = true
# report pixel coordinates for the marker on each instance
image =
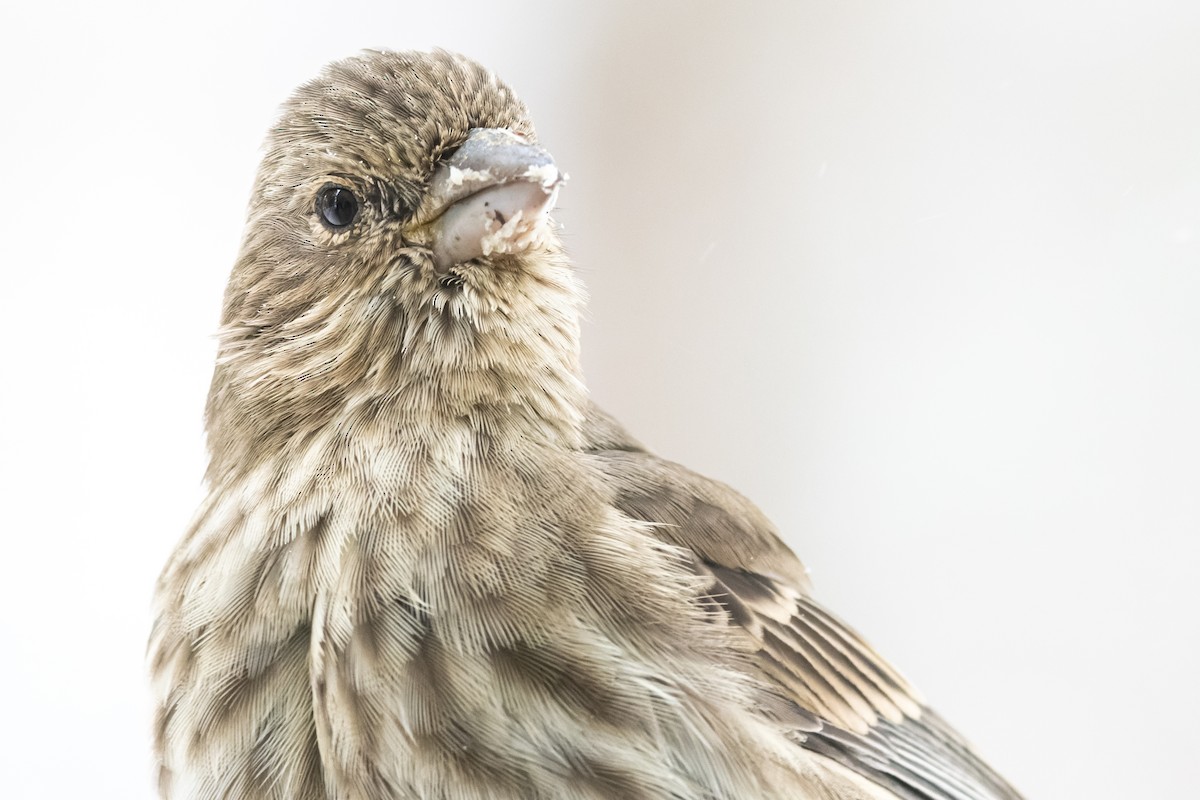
(845, 701)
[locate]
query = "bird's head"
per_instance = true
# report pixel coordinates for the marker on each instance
(398, 260)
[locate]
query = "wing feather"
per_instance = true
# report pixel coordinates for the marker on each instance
(843, 700)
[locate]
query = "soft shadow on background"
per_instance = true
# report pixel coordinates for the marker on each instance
(923, 281)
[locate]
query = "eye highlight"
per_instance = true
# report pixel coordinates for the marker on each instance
(337, 206)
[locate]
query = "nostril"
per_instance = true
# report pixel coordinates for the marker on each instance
(446, 148)
(447, 151)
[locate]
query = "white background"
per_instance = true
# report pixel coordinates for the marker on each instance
(921, 279)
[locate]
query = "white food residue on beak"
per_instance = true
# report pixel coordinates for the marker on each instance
(493, 195)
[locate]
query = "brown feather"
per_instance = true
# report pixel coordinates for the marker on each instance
(428, 567)
(877, 723)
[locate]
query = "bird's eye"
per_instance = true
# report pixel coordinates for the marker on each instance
(337, 206)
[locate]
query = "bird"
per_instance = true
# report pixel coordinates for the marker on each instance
(428, 566)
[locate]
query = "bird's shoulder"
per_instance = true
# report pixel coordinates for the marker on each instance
(689, 510)
(841, 698)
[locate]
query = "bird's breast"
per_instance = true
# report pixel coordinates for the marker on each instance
(418, 621)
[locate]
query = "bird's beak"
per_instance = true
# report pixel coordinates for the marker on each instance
(492, 195)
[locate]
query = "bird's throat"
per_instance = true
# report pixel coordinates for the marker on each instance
(410, 358)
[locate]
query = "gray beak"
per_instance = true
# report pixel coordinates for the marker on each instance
(492, 195)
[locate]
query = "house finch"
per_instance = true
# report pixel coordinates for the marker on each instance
(428, 566)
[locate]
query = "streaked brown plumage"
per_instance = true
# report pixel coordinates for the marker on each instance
(428, 566)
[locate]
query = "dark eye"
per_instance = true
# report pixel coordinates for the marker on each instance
(337, 206)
